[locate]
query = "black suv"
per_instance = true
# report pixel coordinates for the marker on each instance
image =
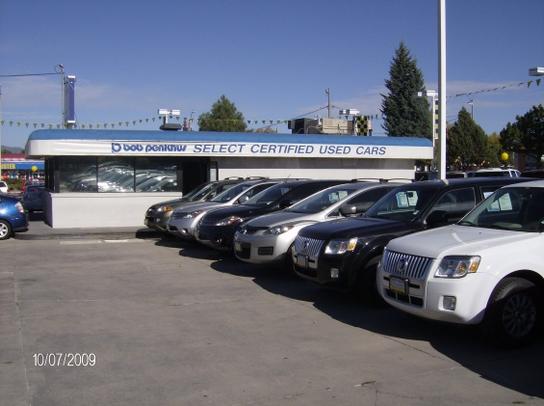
(346, 252)
(216, 229)
(157, 216)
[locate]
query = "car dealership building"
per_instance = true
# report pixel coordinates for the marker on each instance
(108, 178)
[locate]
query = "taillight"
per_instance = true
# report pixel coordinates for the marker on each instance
(20, 207)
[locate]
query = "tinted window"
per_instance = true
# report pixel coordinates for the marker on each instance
(305, 190)
(402, 205)
(322, 200)
(365, 200)
(270, 195)
(458, 200)
(231, 193)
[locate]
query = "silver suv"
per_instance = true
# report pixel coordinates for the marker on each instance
(184, 220)
(268, 238)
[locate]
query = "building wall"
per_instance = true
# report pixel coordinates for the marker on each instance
(319, 168)
(88, 210)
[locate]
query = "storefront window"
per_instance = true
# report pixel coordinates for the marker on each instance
(77, 174)
(115, 175)
(157, 175)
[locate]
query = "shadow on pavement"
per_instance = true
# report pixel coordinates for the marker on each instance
(517, 369)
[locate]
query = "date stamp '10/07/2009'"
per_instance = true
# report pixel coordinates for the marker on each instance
(64, 359)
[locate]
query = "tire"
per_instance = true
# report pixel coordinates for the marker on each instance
(5, 230)
(364, 288)
(288, 261)
(513, 313)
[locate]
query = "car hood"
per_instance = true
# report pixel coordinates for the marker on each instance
(352, 227)
(281, 217)
(456, 240)
(189, 206)
(242, 210)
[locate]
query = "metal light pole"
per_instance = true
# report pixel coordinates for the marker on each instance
(328, 93)
(442, 86)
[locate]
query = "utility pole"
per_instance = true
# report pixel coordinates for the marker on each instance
(442, 86)
(328, 93)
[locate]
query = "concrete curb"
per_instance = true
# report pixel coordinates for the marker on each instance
(90, 235)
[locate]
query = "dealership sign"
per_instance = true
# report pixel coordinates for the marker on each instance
(227, 149)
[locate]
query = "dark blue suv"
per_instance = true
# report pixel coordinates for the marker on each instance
(12, 216)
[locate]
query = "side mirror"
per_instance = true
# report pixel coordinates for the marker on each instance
(243, 199)
(437, 218)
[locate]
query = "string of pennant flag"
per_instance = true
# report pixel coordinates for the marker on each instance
(142, 121)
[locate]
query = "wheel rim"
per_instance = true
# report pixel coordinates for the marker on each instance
(519, 315)
(3, 230)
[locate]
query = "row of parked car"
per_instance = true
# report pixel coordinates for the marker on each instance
(410, 243)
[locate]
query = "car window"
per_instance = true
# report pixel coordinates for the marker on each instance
(402, 205)
(320, 201)
(231, 193)
(458, 200)
(305, 190)
(488, 190)
(365, 200)
(516, 209)
(270, 195)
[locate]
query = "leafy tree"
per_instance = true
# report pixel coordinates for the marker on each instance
(526, 134)
(224, 116)
(494, 149)
(467, 143)
(405, 113)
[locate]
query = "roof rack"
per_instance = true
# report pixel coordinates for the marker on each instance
(233, 178)
(255, 177)
(382, 180)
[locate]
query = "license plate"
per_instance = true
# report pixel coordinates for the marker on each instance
(398, 285)
(302, 261)
(237, 246)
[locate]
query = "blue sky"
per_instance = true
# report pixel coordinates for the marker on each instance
(272, 58)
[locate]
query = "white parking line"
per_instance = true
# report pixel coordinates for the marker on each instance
(123, 241)
(80, 242)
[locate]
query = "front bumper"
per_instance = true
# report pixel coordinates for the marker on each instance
(183, 227)
(19, 223)
(328, 270)
(217, 237)
(157, 221)
(426, 298)
(264, 248)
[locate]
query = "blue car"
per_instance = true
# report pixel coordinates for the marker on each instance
(12, 216)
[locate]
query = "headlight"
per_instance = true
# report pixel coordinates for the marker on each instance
(165, 209)
(338, 247)
(230, 221)
(279, 229)
(193, 214)
(457, 266)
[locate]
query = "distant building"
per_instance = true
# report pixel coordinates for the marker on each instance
(16, 166)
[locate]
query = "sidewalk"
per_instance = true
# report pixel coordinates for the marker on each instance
(39, 230)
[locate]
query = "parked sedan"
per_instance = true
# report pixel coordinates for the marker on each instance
(12, 216)
(33, 198)
(216, 229)
(269, 238)
(157, 216)
(184, 220)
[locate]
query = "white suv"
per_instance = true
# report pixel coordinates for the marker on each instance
(488, 268)
(3, 187)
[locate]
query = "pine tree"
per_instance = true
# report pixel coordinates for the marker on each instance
(467, 143)
(224, 116)
(404, 112)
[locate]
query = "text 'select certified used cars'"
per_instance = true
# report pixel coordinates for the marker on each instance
(268, 238)
(346, 252)
(12, 216)
(488, 268)
(184, 220)
(216, 229)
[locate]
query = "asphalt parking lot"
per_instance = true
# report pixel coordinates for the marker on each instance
(172, 323)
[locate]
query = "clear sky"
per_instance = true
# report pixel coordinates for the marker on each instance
(273, 59)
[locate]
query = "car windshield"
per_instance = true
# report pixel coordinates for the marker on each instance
(202, 192)
(513, 208)
(270, 195)
(322, 200)
(402, 205)
(231, 193)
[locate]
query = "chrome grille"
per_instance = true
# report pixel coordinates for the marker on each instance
(179, 215)
(406, 265)
(308, 246)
